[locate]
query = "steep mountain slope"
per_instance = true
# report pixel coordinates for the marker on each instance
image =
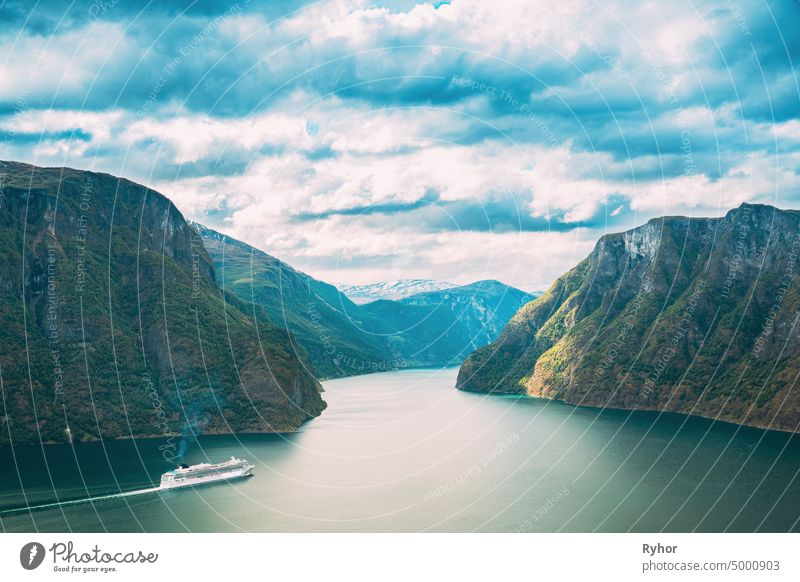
(113, 325)
(443, 327)
(393, 290)
(687, 315)
(322, 320)
(343, 338)
(482, 308)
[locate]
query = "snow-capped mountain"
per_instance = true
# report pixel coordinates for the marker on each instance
(393, 290)
(419, 323)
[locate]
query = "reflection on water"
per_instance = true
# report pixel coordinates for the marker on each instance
(404, 451)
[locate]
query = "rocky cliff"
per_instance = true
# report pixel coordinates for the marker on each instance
(690, 315)
(113, 324)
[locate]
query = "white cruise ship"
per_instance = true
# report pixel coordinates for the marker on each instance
(185, 475)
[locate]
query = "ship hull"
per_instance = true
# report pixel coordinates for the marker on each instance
(227, 476)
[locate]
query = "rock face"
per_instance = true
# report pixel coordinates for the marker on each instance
(343, 338)
(696, 316)
(113, 324)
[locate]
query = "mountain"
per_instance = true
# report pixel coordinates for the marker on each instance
(343, 338)
(482, 308)
(392, 289)
(690, 315)
(441, 328)
(323, 321)
(114, 326)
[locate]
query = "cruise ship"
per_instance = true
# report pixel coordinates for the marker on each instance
(185, 475)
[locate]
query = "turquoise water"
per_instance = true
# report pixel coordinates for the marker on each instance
(405, 451)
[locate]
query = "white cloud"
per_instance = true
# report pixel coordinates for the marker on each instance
(100, 124)
(338, 128)
(50, 66)
(193, 138)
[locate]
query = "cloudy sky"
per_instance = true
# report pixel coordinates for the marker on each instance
(364, 141)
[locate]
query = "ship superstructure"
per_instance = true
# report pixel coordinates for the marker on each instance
(188, 475)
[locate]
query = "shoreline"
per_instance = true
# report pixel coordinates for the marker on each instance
(645, 410)
(660, 412)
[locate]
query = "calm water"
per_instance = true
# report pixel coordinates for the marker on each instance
(404, 451)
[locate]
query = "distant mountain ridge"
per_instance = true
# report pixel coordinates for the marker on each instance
(393, 290)
(691, 315)
(483, 325)
(342, 338)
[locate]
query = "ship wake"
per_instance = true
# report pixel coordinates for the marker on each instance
(59, 504)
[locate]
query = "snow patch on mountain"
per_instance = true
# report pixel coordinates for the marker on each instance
(394, 290)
